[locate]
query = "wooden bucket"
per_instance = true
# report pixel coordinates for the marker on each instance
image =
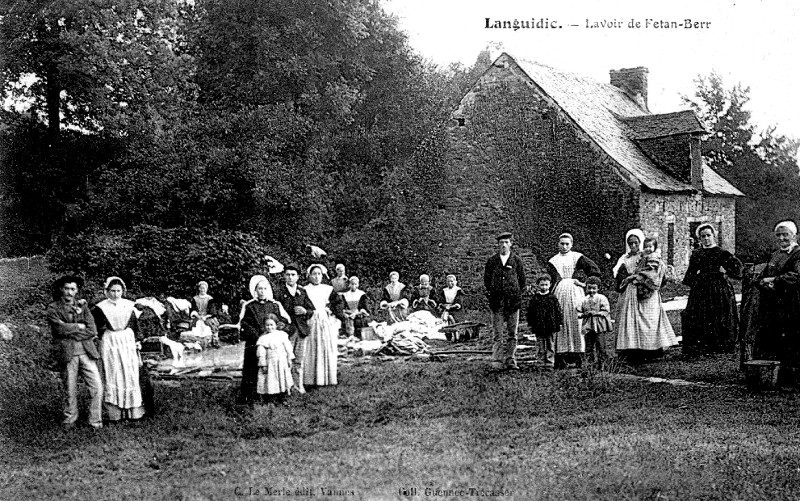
(762, 375)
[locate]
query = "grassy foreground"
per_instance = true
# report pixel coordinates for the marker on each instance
(441, 428)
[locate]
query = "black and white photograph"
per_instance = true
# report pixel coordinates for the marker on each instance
(399, 250)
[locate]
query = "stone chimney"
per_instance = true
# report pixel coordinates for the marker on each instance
(633, 81)
(697, 162)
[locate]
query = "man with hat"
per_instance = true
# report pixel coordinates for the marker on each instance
(74, 334)
(300, 308)
(504, 279)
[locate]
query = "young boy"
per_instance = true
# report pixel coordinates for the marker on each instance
(596, 315)
(544, 318)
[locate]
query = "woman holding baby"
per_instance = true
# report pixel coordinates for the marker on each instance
(643, 329)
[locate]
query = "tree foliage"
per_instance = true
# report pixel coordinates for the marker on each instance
(763, 165)
(292, 122)
(98, 65)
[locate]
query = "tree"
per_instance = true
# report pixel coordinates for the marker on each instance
(97, 65)
(763, 165)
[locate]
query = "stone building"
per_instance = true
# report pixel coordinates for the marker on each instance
(538, 151)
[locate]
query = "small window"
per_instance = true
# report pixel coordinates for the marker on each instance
(671, 243)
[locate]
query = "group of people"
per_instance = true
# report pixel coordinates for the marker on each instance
(120, 389)
(290, 333)
(304, 353)
(570, 319)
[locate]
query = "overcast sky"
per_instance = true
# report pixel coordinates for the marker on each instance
(753, 42)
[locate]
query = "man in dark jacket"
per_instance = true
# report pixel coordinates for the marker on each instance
(300, 308)
(504, 279)
(74, 334)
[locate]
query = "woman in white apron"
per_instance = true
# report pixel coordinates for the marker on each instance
(117, 327)
(569, 292)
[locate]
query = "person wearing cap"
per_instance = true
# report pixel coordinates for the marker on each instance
(562, 267)
(340, 282)
(297, 304)
(504, 280)
(423, 296)
(322, 349)
(204, 307)
(778, 335)
(394, 299)
(451, 298)
(118, 326)
(709, 324)
(252, 327)
(74, 335)
(355, 304)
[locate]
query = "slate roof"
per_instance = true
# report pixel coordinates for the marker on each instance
(614, 120)
(663, 124)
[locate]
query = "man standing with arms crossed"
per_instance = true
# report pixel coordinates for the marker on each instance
(74, 333)
(300, 308)
(504, 279)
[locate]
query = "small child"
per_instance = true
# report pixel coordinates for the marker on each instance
(544, 318)
(596, 314)
(646, 276)
(275, 355)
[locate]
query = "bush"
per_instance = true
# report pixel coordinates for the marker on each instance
(155, 261)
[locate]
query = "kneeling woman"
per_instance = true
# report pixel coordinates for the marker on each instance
(116, 324)
(321, 347)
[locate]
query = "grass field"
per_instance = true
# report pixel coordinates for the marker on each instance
(413, 430)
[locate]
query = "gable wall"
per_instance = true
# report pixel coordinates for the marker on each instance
(488, 190)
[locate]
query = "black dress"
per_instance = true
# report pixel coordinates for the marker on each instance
(255, 315)
(778, 336)
(710, 321)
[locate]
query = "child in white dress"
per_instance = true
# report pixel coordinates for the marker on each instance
(275, 355)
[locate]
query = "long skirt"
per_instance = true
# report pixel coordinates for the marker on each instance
(319, 366)
(750, 324)
(570, 338)
(642, 324)
(710, 321)
(122, 393)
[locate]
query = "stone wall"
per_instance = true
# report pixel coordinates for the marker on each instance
(563, 183)
(531, 170)
(676, 215)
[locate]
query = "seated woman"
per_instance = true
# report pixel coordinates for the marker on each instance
(450, 301)
(394, 299)
(205, 308)
(422, 296)
(356, 308)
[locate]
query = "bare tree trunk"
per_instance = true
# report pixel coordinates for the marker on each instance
(53, 101)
